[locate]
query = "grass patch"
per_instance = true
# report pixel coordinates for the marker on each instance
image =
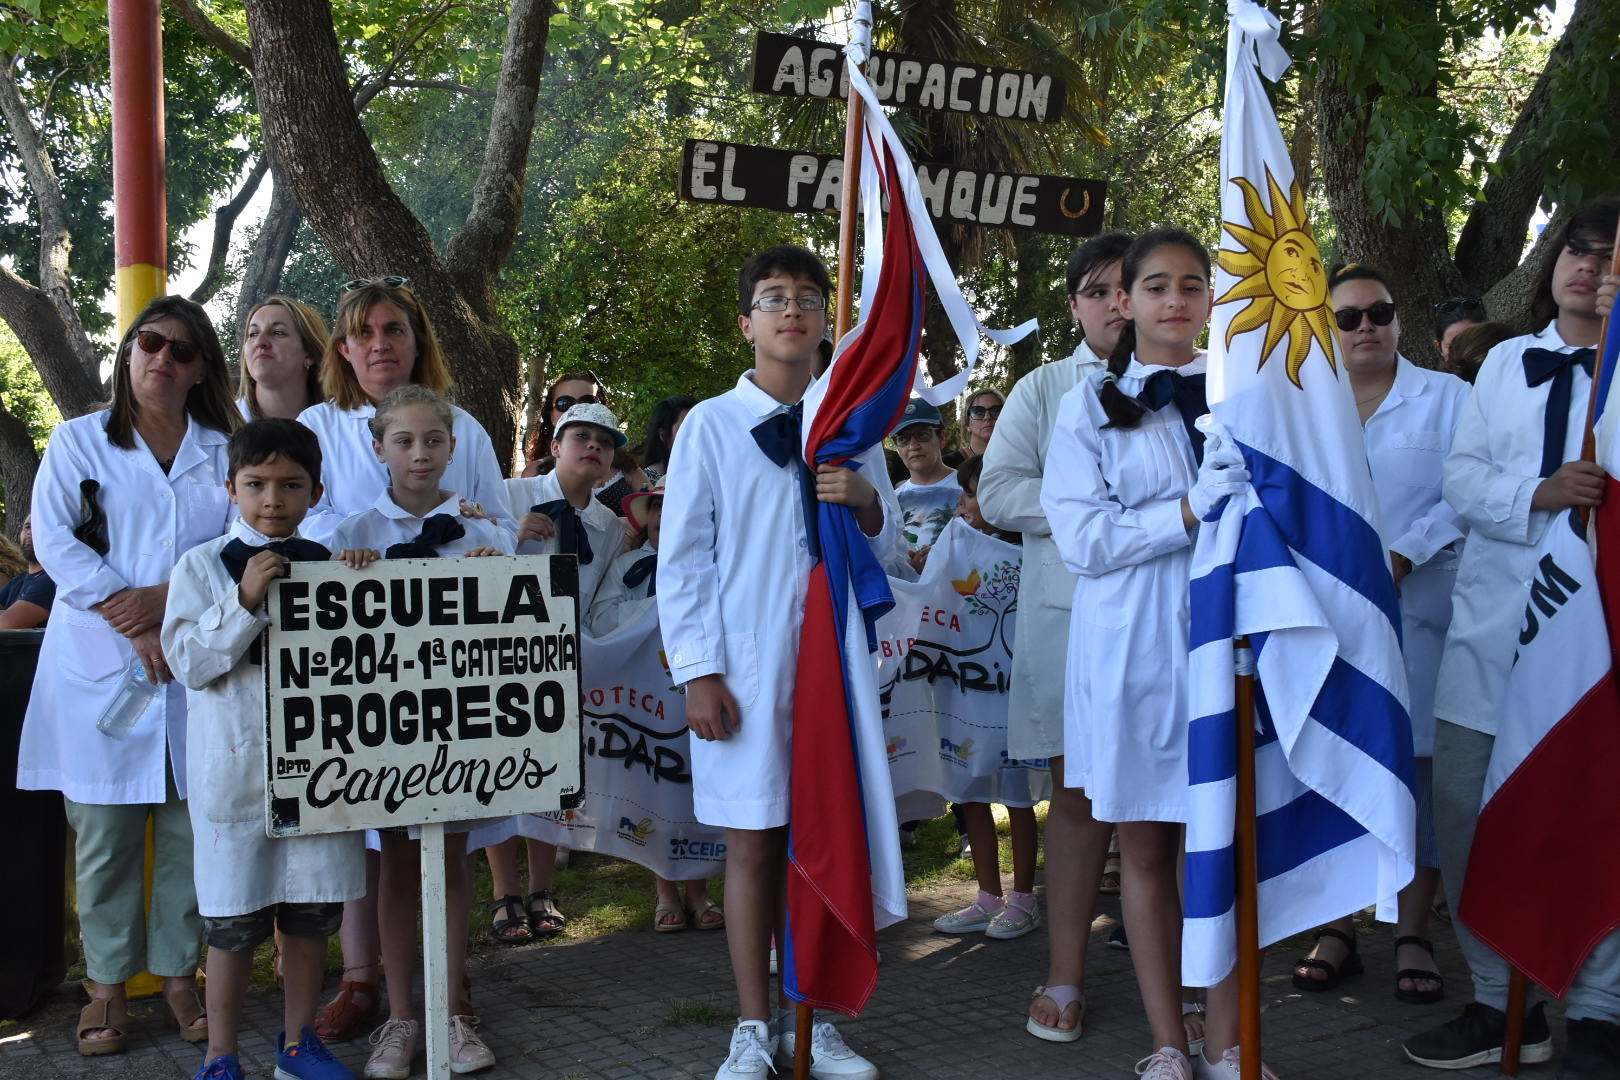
(691, 1013)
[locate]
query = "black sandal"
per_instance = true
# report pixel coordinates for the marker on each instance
(512, 928)
(1418, 997)
(1351, 965)
(547, 920)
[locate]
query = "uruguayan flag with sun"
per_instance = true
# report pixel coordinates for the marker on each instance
(1296, 565)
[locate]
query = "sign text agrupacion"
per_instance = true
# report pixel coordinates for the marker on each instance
(800, 182)
(422, 690)
(804, 67)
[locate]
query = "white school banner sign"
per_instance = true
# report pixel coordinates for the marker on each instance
(422, 690)
(638, 768)
(944, 667)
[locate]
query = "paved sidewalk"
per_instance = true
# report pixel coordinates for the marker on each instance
(635, 1004)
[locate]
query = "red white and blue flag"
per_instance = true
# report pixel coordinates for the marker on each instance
(1550, 787)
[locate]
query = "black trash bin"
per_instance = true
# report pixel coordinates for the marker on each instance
(31, 961)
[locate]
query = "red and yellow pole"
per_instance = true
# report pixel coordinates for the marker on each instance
(140, 218)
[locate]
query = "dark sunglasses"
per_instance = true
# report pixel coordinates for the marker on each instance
(388, 281)
(1381, 314)
(979, 412)
(181, 352)
(564, 403)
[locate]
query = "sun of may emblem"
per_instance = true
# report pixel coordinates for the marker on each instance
(1279, 272)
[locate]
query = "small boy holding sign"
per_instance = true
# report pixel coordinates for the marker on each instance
(247, 883)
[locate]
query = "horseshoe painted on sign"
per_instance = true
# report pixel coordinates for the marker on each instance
(1085, 204)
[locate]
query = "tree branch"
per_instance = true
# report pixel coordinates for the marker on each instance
(441, 84)
(224, 221)
(369, 89)
(261, 277)
(32, 316)
(213, 33)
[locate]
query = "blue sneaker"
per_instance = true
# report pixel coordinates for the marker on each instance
(309, 1059)
(224, 1067)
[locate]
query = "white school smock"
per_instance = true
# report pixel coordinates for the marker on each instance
(385, 523)
(617, 604)
(152, 518)
(1010, 499)
(1408, 438)
(353, 476)
(603, 528)
(1492, 473)
(207, 638)
(733, 572)
(1113, 498)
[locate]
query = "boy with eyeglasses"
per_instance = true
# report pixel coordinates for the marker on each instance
(734, 563)
(928, 498)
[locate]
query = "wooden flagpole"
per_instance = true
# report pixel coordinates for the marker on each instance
(1513, 1031)
(1248, 868)
(843, 308)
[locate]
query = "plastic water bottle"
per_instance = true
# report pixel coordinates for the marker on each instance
(134, 697)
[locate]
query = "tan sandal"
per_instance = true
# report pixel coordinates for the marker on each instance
(707, 916)
(104, 1014)
(187, 1006)
(669, 918)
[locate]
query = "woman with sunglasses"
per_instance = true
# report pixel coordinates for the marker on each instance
(1408, 415)
(983, 408)
(566, 390)
(159, 455)
(382, 339)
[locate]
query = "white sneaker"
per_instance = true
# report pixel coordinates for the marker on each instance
(1017, 917)
(468, 1053)
(1227, 1068)
(752, 1048)
(973, 919)
(830, 1057)
(395, 1047)
(1165, 1063)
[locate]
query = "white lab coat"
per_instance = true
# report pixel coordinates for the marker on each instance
(603, 528)
(207, 635)
(733, 573)
(1113, 498)
(385, 522)
(1492, 472)
(617, 604)
(1010, 499)
(152, 519)
(353, 476)
(1407, 442)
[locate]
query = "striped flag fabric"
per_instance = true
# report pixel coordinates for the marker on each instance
(1549, 788)
(1295, 564)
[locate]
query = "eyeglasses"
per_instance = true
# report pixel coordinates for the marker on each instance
(181, 352)
(1459, 303)
(980, 412)
(811, 302)
(919, 434)
(564, 403)
(1381, 314)
(387, 281)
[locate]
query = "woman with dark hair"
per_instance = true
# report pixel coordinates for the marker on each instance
(661, 428)
(282, 345)
(106, 726)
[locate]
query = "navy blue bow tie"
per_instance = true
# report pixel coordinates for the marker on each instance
(780, 438)
(235, 555)
(1539, 366)
(437, 531)
(645, 569)
(572, 539)
(1187, 391)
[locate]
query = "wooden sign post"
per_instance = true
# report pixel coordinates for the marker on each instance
(419, 692)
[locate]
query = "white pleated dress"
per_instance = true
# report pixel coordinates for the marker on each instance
(1113, 498)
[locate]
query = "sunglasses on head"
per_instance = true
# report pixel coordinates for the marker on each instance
(152, 342)
(387, 281)
(1459, 303)
(564, 403)
(1381, 314)
(980, 412)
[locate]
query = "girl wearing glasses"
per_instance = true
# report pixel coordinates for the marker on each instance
(383, 339)
(159, 454)
(1408, 415)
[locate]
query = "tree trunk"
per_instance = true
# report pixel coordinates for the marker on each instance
(262, 275)
(18, 463)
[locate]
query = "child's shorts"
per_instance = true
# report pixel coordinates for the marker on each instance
(239, 933)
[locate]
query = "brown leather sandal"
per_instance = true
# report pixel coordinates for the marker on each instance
(344, 1017)
(109, 1014)
(188, 1007)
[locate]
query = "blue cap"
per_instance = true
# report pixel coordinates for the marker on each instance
(919, 411)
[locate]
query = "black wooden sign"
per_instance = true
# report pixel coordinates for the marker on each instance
(799, 182)
(804, 67)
